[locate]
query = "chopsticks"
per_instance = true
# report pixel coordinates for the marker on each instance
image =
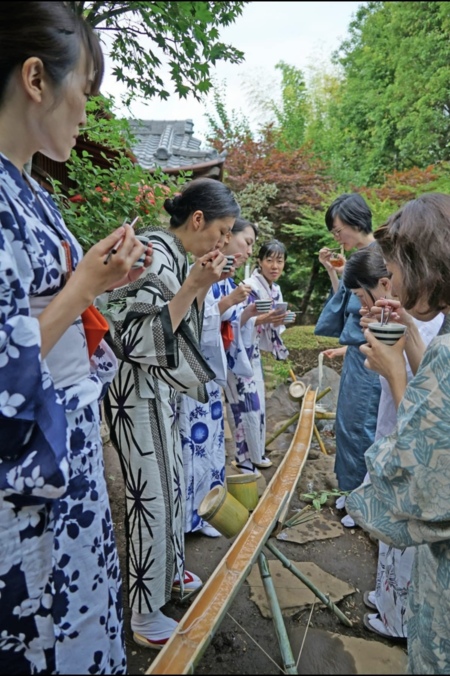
(336, 248)
(117, 246)
(385, 316)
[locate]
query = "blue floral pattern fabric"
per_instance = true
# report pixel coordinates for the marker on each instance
(202, 425)
(60, 583)
(407, 503)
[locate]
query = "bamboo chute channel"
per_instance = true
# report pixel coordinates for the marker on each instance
(197, 628)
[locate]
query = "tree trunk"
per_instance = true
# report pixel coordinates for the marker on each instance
(309, 290)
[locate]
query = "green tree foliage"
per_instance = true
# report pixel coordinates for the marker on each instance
(254, 200)
(280, 183)
(146, 36)
(394, 108)
(226, 129)
(290, 115)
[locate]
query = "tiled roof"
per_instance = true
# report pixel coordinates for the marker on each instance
(169, 144)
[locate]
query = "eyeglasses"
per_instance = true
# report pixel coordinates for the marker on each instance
(336, 233)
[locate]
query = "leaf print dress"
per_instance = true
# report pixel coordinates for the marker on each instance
(60, 584)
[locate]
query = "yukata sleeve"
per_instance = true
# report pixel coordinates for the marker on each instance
(211, 343)
(270, 336)
(332, 319)
(33, 430)
(243, 337)
(141, 328)
(407, 501)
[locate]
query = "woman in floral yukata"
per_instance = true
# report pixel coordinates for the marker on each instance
(155, 326)
(407, 500)
(245, 395)
(202, 425)
(60, 585)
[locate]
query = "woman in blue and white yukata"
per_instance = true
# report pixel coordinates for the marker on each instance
(227, 328)
(245, 395)
(60, 584)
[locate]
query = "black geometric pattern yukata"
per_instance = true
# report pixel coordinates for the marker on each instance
(156, 364)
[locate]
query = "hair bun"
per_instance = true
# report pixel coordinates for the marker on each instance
(169, 205)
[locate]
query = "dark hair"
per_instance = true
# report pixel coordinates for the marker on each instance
(241, 224)
(352, 210)
(274, 247)
(51, 32)
(417, 239)
(365, 268)
(208, 195)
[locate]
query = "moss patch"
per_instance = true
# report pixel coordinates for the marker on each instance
(304, 349)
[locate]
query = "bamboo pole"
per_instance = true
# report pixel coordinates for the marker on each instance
(319, 439)
(306, 581)
(277, 616)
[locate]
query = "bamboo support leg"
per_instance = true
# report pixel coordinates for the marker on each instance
(280, 628)
(319, 439)
(325, 599)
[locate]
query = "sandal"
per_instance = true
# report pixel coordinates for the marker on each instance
(147, 643)
(375, 616)
(265, 462)
(191, 582)
(155, 624)
(367, 602)
(245, 469)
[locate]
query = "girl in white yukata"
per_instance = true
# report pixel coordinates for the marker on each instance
(155, 329)
(60, 585)
(202, 425)
(367, 277)
(245, 395)
(406, 502)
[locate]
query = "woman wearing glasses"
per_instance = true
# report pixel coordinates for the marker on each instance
(349, 219)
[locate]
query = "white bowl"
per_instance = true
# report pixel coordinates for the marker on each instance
(387, 333)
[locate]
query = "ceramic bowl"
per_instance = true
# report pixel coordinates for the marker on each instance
(263, 306)
(229, 264)
(387, 333)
